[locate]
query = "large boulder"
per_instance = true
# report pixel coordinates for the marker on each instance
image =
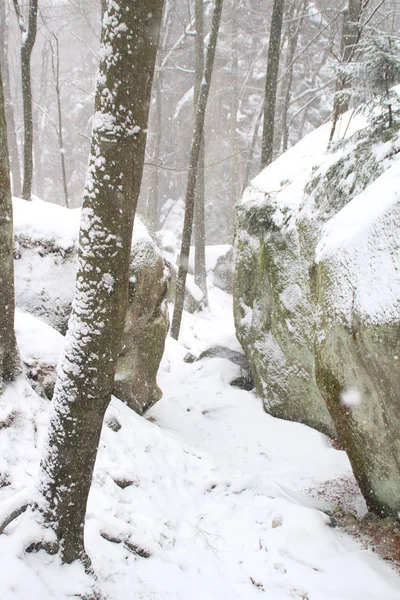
(358, 346)
(46, 237)
(316, 295)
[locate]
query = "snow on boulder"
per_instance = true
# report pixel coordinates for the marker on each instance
(358, 290)
(317, 294)
(46, 240)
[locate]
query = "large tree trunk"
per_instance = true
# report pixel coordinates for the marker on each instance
(28, 37)
(11, 134)
(271, 83)
(348, 42)
(200, 273)
(9, 357)
(192, 173)
(86, 375)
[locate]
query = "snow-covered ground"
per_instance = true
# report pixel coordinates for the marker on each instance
(206, 498)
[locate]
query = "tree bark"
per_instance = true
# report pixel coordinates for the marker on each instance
(234, 108)
(28, 37)
(153, 197)
(200, 272)
(192, 173)
(293, 37)
(11, 134)
(86, 374)
(349, 39)
(271, 82)
(9, 358)
(55, 63)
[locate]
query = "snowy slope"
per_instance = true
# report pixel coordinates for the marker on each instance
(209, 487)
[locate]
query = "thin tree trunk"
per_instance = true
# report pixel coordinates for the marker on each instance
(9, 358)
(234, 108)
(28, 37)
(249, 161)
(153, 197)
(349, 39)
(200, 272)
(39, 121)
(86, 375)
(11, 134)
(293, 34)
(55, 62)
(271, 83)
(192, 173)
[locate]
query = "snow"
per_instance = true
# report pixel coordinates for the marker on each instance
(36, 339)
(208, 486)
(285, 178)
(40, 221)
(361, 244)
(351, 397)
(213, 254)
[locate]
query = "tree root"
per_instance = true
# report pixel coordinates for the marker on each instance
(13, 508)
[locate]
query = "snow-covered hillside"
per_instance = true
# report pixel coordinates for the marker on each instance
(206, 497)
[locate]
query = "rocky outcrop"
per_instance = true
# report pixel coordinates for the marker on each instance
(146, 328)
(358, 346)
(317, 295)
(45, 266)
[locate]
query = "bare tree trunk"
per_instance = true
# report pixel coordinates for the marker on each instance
(349, 39)
(86, 374)
(253, 143)
(192, 174)
(39, 116)
(271, 83)
(12, 138)
(55, 63)
(28, 37)
(153, 197)
(293, 37)
(234, 107)
(9, 358)
(200, 272)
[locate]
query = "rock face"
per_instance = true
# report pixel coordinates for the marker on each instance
(45, 266)
(146, 328)
(358, 349)
(317, 295)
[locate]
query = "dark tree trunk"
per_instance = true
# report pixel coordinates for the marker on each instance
(9, 357)
(200, 273)
(192, 174)
(348, 42)
(271, 83)
(28, 37)
(86, 375)
(11, 134)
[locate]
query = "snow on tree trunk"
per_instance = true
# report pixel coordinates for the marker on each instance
(86, 374)
(9, 358)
